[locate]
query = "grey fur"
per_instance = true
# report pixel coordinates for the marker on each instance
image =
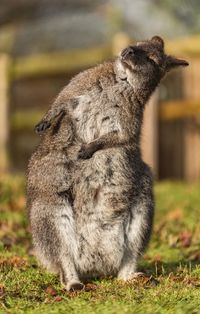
(107, 227)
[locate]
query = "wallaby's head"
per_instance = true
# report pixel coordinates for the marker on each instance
(144, 64)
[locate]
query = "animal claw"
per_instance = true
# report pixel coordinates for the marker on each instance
(42, 126)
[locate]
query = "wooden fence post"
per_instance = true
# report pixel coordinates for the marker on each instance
(4, 63)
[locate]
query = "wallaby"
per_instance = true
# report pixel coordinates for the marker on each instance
(49, 200)
(112, 210)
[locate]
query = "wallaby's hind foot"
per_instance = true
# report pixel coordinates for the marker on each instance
(71, 285)
(74, 286)
(72, 282)
(132, 276)
(138, 274)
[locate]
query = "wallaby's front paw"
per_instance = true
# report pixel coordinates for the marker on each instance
(42, 126)
(85, 152)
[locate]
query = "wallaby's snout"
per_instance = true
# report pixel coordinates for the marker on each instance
(127, 52)
(132, 54)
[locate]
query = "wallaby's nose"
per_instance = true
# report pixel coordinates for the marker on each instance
(127, 52)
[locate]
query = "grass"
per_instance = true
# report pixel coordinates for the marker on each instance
(172, 261)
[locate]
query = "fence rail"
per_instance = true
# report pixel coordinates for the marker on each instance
(174, 110)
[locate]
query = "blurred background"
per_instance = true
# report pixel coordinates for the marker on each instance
(43, 43)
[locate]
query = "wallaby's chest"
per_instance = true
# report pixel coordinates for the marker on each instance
(99, 113)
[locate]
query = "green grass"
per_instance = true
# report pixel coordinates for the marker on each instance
(172, 262)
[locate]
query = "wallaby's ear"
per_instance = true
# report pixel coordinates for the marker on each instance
(172, 62)
(158, 40)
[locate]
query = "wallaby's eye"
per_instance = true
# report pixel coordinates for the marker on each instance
(142, 52)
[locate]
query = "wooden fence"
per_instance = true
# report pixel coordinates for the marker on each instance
(4, 101)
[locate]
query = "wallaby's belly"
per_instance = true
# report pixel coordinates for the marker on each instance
(102, 200)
